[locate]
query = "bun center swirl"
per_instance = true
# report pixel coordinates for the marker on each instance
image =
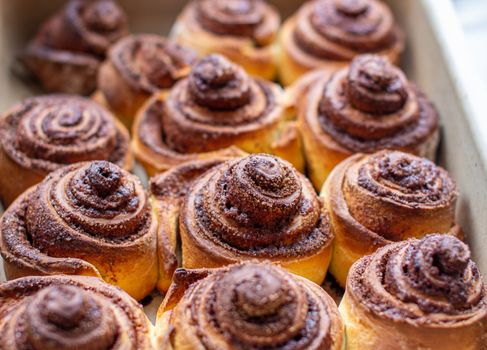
(97, 198)
(342, 29)
(446, 273)
(371, 100)
(217, 105)
(431, 280)
(151, 63)
(103, 16)
(406, 179)
(95, 24)
(258, 306)
(261, 189)
(375, 86)
(263, 308)
(253, 19)
(258, 205)
(47, 132)
(67, 317)
(218, 84)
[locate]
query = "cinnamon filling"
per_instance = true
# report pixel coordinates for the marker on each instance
(258, 205)
(406, 179)
(371, 106)
(259, 306)
(52, 131)
(253, 19)
(435, 274)
(341, 29)
(202, 112)
(66, 317)
(151, 63)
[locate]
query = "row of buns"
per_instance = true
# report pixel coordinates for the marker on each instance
(256, 191)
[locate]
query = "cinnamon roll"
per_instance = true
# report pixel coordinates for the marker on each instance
(328, 34)
(138, 66)
(364, 108)
(420, 294)
(385, 197)
(214, 111)
(245, 31)
(70, 313)
(42, 134)
(247, 306)
(70, 46)
(255, 207)
(89, 218)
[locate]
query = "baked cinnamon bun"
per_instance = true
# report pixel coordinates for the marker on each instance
(214, 111)
(328, 34)
(90, 218)
(255, 207)
(245, 31)
(365, 107)
(70, 313)
(247, 306)
(420, 294)
(69, 47)
(138, 66)
(382, 198)
(42, 134)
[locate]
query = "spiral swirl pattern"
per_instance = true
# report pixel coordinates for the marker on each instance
(406, 179)
(398, 186)
(95, 24)
(48, 132)
(69, 47)
(63, 313)
(259, 306)
(89, 218)
(371, 106)
(342, 29)
(256, 206)
(254, 19)
(216, 102)
(150, 63)
(435, 274)
(98, 199)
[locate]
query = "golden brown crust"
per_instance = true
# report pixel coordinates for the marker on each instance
(42, 134)
(246, 208)
(69, 47)
(243, 30)
(250, 305)
(218, 106)
(330, 33)
(364, 108)
(138, 66)
(417, 292)
(385, 197)
(61, 312)
(89, 219)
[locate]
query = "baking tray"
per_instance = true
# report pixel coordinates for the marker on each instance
(435, 58)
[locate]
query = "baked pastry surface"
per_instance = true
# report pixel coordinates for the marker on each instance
(214, 111)
(245, 31)
(385, 197)
(42, 134)
(256, 207)
(89, 218)
(247, 306)
(69, 47)
(419, 294)
(328, 34)
(70, 312)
